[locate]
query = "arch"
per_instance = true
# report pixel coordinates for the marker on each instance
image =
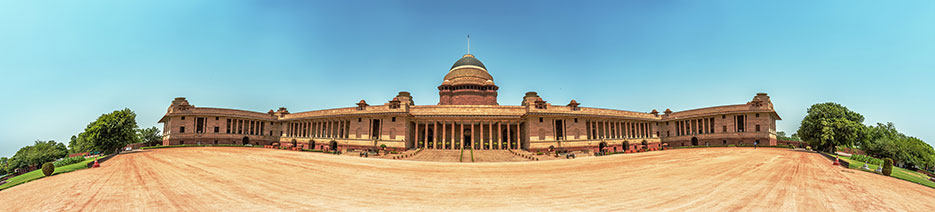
(694, 141)
(601, 146)
(311, 144)
(334, 145)
(294, 143)
(626, 145)
(645, 144)
(245, 140)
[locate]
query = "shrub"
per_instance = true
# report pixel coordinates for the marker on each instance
(539, 153)
(867, 159)
(887, 166)
(731, 145)
(48, 168)
(68, 161)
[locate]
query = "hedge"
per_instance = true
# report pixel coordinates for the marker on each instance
(68, 161)
(887, 166)
(732, 145)
(867, 159)
(202, 145)
(48, 168)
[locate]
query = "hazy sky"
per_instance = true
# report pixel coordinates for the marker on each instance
(64, 63)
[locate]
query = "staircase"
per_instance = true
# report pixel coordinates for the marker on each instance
(496, 156)
(437, 155)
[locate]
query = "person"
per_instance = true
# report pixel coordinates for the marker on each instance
(755, 143)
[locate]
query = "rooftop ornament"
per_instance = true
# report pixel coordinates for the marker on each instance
(362, 105)
(574, 105)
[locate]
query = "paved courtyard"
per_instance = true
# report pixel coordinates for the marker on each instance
(255, 179)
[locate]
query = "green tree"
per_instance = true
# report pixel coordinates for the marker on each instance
(828, 125)
(4, 162)
(79, 143)
(884, 141)
(151, 136)
(782, 136)
(112, 131)
(37, 154)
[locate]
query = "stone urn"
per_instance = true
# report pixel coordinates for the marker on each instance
(879, 170)
(866, 167)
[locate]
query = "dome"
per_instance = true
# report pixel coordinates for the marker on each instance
(468, 60)
(468, 70)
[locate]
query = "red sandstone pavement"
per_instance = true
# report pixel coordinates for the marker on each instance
(254, 179)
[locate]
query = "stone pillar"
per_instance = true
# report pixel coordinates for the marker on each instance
(435, 133)
(425, 135)
(499, 135)
(490, 135)
(473, 138)
(509, 135)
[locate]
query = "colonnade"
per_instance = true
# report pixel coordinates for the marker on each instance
(694, 126)
(618, 129)
(327, 128)
(245, 127)
(478, 134)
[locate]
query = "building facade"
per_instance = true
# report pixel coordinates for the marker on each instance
(468, 115)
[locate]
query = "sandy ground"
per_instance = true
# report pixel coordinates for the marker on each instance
(254, 179)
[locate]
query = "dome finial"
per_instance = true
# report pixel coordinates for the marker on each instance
(469, 43)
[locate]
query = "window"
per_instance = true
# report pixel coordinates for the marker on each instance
(757, 115)
(181, 129)
(217, 118)
(358, 119)
(394, 119)
(217, 129)
(667, 123)
(725, 141)
(183, 117)
(725, 128)
(576, 120)
(667, 134)
(540, 119)
(199, 125)
(559, 130)
(181, 142)
(757, 127)
(723, 116)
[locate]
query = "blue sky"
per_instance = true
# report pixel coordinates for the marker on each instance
(63, 63)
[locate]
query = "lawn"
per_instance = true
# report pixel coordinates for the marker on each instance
(36, 174)
(901, 173)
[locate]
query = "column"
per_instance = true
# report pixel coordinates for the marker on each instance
(500, 135)
(474, 139)
(453, 123)
(607, 129)
(490, 135)
(435, 134)
(462, 135)
(425, 137)
(509, 135)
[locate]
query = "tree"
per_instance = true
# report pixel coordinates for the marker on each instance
(782, 136)
(4, 162)
(37, 154)
(112, 131)
(884, 141)
(79, 143)
(149, 136)
(828, 125)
